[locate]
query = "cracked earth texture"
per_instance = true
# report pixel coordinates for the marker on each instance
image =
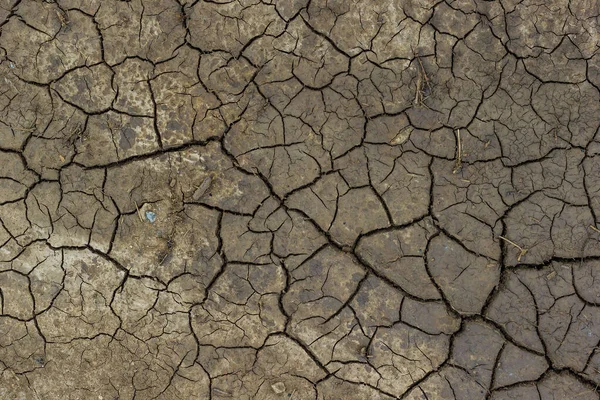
(300, 199)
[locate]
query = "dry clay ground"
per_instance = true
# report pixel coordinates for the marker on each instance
(300, 199)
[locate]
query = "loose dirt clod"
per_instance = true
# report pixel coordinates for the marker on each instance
(202, 189)
(402, 135)
(278, 387)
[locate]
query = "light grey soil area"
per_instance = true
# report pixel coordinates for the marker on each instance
(300, 199)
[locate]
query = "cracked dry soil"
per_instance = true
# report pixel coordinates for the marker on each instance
(359, 199)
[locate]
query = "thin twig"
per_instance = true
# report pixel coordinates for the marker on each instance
(63, 17)
(511, 242)
(423, 84)
(26, 130)
(458, 153)
(221, 392)
(138, 212)
(594, 228)
(424, 73)
(185, 234)
(419, 91)
(164, 258)
(522, 250)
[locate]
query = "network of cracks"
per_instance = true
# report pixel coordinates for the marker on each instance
(300, 199)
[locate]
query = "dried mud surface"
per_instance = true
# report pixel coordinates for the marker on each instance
(299, 199)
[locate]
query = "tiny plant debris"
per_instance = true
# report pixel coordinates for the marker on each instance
(62, 17)
(522, 250)
(423, 89)
(202, 189)
(221, 392)
(139, 213)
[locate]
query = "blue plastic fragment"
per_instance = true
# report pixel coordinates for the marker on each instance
(151, 216)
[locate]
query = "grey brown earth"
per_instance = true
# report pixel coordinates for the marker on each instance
(300, 199)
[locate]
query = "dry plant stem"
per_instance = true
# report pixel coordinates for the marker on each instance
(138, 212)
(594, 228)
(419, 92)
(458, 152)
(522, 250)
(27, 130)
(62, 17)
(424, 74)
(422, 81)
(164, 258)
(221, 392)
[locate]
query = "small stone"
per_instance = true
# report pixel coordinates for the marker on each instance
(151, 216)
(278, 387)
(402, 136)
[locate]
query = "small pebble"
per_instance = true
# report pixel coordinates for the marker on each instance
(151, 216)
(278, 387)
